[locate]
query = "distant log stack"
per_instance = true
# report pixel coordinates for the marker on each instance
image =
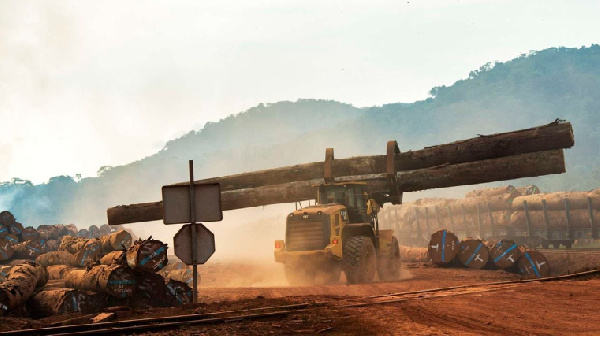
(115, 280)
(443, 246)
(20, 284)
(94, 232)
(505, 254)
(149, 255)
(30, 233)
(473, 253)
(105, 230)
(64, 301)
(83, 233)
(71, 230)
(533, 264)
(554, 201)
(6, 250)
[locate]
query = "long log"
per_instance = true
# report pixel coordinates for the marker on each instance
(20, 284)
(578, 218)
(505, 168)
(555, 201)
(489, 192)
(64, 301)
(542, 138)
(114, 280)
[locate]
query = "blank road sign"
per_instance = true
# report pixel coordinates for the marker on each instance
(176, 203)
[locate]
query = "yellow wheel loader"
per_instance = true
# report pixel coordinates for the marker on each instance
(339, 233)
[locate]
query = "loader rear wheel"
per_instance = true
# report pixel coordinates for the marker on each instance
(359, 260)
(389, 266)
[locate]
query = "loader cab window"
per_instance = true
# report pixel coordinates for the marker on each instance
(351, 196)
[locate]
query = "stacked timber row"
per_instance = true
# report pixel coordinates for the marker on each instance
(522, 214)
(477, 254)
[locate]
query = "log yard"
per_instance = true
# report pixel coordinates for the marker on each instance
(146, 190)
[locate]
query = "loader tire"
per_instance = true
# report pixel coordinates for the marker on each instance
(359, 260)
(389, 266)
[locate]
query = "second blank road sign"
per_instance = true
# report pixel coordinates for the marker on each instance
(183, 244)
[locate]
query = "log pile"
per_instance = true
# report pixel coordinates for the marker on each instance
(478, 254)
(88, 273)
(504, 212)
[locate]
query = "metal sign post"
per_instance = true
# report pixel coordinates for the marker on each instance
(194, 244)
(193, 238)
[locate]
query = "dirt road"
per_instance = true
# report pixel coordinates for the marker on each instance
(567, 307)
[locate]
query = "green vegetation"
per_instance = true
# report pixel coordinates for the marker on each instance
(530, 90)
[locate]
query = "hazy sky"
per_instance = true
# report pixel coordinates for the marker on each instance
(91, 83)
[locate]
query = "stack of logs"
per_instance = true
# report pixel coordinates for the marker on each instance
(445, 249)
(503, 212)
(84, 271)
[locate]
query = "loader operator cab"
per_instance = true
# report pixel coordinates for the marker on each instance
(353, 196)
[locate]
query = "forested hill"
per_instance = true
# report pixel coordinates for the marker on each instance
(531, 90)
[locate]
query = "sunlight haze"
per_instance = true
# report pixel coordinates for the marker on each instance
(85, 84)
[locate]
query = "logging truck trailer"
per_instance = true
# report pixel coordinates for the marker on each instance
(340, 233)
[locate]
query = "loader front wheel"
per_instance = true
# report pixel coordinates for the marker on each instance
(359, 260)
